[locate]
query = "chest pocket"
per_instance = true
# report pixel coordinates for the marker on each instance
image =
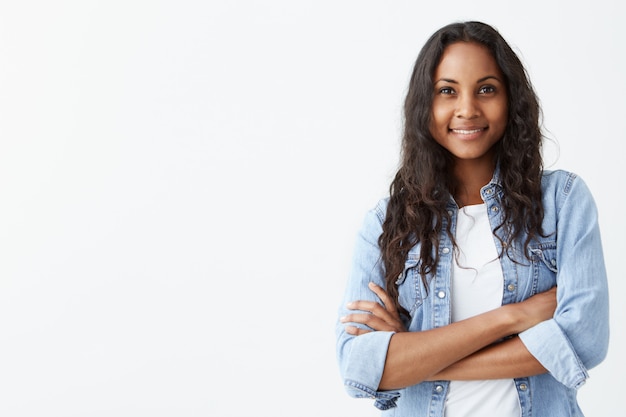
(409, 284)
(544, 265)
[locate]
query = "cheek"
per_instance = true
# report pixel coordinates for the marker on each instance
(498, 114)
(504, 118)
(439, 119)
(504, 112)
(434, 125)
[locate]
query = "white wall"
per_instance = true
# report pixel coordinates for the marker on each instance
(181, 183)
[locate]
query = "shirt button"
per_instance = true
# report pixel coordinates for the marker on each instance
(450, 213)
(553, 262)
(488, 191)
(445, 250)
(523, 387)
(441, 294)
(438, 388)
(495, 209)
(511, 287)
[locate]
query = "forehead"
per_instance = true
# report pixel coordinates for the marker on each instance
(466, 59)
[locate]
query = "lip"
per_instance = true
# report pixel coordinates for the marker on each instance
(467, 133)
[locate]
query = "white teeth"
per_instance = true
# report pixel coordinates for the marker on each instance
(466, 132)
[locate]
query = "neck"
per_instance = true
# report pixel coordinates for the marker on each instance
(471, 177)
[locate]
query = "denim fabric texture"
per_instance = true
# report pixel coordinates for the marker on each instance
(573, 341)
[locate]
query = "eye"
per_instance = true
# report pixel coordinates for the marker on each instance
(486, 89)
(446, 90)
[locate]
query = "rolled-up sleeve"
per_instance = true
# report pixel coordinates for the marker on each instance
(576, 338)
(362, 358)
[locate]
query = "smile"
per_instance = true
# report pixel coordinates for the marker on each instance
(466, 132)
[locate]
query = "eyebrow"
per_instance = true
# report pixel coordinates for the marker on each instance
(451, 81)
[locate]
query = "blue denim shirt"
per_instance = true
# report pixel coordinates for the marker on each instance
(573, 341)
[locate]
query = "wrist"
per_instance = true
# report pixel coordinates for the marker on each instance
(514, 318)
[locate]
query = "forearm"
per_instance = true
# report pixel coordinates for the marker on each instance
(413, 357)
(508, 359)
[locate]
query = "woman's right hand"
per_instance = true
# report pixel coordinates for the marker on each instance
(540, 307)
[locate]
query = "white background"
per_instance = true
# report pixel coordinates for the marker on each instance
(181, 183)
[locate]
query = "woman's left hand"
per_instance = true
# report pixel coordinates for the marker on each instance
(377, 318)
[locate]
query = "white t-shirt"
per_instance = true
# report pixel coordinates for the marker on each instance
(477, 286)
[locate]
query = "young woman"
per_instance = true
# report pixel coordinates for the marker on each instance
(478, 287)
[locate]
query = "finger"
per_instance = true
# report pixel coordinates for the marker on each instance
(393, 322)
(373, 322)
(384, 297)
(356, 331)
(369, 320)
(372, 307)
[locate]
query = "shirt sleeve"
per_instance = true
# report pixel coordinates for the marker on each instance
(362, 358)
(576, 338)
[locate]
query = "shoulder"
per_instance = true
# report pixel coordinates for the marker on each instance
(560, 186)
(372, 225)
(380, 210)
(558, 179)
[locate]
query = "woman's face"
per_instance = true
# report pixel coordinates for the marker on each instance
(469, 110)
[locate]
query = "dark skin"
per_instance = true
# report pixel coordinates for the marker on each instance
(473, 356)
(469, 116)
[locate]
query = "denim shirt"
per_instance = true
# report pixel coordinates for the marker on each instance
(567, 345)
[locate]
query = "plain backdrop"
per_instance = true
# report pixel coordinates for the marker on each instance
(181, 183)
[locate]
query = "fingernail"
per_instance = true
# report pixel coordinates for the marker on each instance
(343, 319)
(350, 304)
(371, 284)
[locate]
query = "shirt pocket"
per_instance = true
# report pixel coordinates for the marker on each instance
(544, 265)
(409, 284)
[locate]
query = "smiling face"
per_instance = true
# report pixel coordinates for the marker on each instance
(469, 108)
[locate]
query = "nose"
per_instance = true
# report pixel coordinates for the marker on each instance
(467, 107)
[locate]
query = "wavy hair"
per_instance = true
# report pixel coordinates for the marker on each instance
(422, 187)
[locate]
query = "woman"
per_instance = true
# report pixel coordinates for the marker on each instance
(478, 287)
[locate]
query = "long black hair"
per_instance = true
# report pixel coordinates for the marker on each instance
(424, 182)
